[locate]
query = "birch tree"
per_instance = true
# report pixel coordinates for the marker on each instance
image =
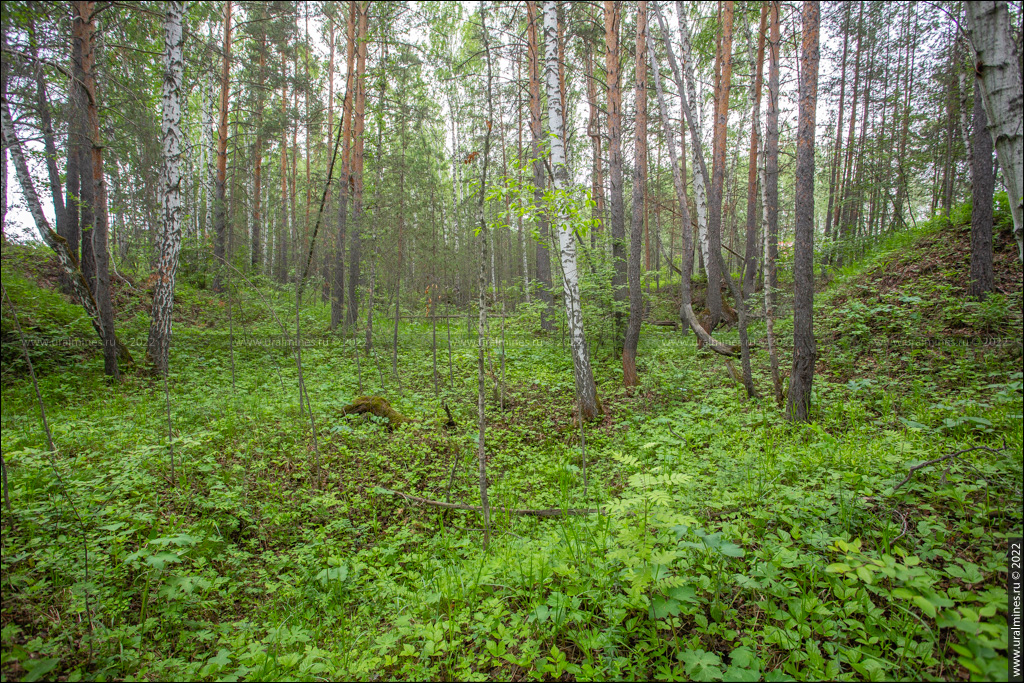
(586, 391)
(998, 67)
(714, 269)
(686, 304)
(170, 235)
(685, 78)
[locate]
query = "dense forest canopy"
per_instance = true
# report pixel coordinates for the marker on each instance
(489, 228)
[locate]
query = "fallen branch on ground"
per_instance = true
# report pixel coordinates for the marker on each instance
(928, 463)
(545, 512)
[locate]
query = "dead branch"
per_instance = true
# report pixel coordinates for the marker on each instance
(950, 456)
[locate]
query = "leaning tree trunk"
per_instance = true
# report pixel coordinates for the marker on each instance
(67, 259)
(586, 391)
(632, 338)
(686, 78)
(998, 66)
(170, 237)
(686, 303)
(982, 187)
(804, 352)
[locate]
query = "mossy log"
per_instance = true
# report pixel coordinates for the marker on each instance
(375, 405)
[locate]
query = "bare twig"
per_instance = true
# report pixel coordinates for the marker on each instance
(950, 456)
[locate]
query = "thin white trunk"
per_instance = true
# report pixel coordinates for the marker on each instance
(700, 182)
(169, 245)
(998, 65)
(687, 313)
(210, 154)
(769, 268)
(586, 392)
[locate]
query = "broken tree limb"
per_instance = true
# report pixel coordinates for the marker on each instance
(375, 405)
(950, 456)
(544, 512)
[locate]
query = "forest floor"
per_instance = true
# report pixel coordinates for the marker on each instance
(732, 545)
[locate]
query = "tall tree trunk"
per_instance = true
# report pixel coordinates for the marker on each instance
(804, 352)
(757, 68)
(616, 203)
(282, 241)
(82, 66)
(543, 255)
(771, 154)
(358, 125)
(50, 146)
(97, 195)
(481, 452)
(686, 78)
(345, 185)
(586, 391)
(400, 244)
(982, 190)
(632, 338)
(998, 65)
(329, 255)
(66, 258)
(4, 71)
(768, 269)
(594, 132)
(257, 153)
(843, 203)
(678, 175)
(714, 292)
(837, 152)
(170, 236)
(519, 162)
(220, 185)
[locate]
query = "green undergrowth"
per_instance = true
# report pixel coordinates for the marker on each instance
(731, 545)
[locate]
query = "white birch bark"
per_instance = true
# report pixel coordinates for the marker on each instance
(687, 77)
(209, 157)
(169, 246)
(998, 66)
(586, 391)
(677, 180)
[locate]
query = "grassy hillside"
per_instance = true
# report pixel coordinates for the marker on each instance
(732, 545)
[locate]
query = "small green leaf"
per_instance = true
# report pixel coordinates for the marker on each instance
(37, 668)
(926, 606)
